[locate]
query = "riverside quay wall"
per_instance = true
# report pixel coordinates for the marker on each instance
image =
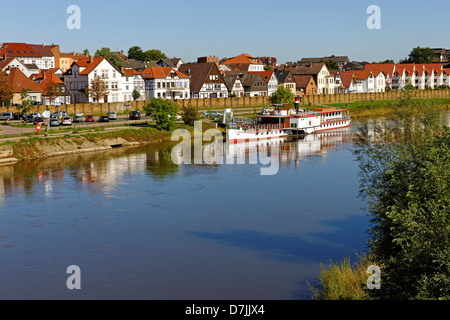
(242, 102)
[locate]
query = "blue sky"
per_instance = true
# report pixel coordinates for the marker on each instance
(288, 30)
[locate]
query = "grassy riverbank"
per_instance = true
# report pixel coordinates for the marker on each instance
(69, 144)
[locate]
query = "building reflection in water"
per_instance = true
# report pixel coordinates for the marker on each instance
(102, 173)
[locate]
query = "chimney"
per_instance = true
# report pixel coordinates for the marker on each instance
(91, 59)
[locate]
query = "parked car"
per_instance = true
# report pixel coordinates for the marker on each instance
(59, 113)
(78, 118)
(37, 103)
(212, 114)
(36, 114)
(178, 116)
(29, 118)
(6, 116)
(20, 116)
(112, 115)
(135, 115)
(90, 118)
(66, 120)
(266, 111)
(54, 122)
(38, 120)
(103, 118)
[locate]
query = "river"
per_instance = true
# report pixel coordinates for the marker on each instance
(139, 226)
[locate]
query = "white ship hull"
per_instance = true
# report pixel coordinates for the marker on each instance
(242, 135)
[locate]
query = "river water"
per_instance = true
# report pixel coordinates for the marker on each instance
(139, 226)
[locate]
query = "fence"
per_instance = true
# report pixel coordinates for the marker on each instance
(241, 102)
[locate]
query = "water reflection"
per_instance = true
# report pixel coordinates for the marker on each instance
(104, 171)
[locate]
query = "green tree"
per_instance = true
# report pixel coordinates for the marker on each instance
(190, 115)
(136, 94)
(421, 55)
(114, 57)
(282, 95)
(387, 61)
(136, 53)
(331, 65)
(27, 103)
(154, 54)
(164, 112)
(405, 170)
(86, 52)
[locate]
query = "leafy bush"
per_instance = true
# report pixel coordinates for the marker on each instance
(190, 115)
(282, 95)
(405, 170)
(164, 112)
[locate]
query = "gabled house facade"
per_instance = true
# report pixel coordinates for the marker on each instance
(234, 84)
(9, 63)
(243, 62)
(132, 80)
(254, 85)
(206, 80)
(305, 85)
(84, 71)
(51, 82)
(322, 77)
(349, 83)
(271, 80)
(43, 56)
(18, 82)
(285, 79)
(165, 83)
(366, 79)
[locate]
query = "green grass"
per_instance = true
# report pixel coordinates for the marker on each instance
(342, 280)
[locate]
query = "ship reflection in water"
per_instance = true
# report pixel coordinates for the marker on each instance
(101, 173)
(142, 227)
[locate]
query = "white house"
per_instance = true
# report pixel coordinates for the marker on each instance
(366, 79)
(43, 56)
(206, 81)
(131, 80)
(324, 80)
(166, 83)
(83, 71)
(244, 62)
(234, 83)
(9, 63)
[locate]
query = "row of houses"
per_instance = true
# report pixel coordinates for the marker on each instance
(40, 69)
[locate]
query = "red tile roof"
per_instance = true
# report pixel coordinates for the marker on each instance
(18, 81)
(4, 63)
(362, 74)
(48, 79)
(14, 49)
(160, 73)
(387, 68)
(346, 78)
(89, 64)
(243, 59)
